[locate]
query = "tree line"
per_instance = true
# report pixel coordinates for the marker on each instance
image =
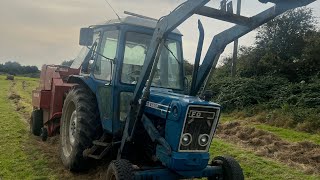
(15, 68)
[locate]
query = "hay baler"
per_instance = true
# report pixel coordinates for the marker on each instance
(47, 99)
(126, 99)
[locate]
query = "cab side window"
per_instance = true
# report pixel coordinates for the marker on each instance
(104, 66)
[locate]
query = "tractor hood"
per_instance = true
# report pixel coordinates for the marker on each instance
(162, 100)
(183, 116)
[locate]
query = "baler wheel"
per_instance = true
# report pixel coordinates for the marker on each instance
(120, 170)
(231, 168)
(36, 122)
(80, 126)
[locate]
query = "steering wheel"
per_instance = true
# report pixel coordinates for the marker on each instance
(134, 75)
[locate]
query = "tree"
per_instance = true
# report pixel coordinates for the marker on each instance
(188, 68)
(284, 36)
(309, 64)
(67, 63)
(279, 46)
(12, 67)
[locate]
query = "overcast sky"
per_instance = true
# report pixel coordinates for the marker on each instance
(36, 32)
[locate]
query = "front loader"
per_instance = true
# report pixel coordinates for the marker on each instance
(126, 99)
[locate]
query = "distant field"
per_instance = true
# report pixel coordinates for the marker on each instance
(26, 157)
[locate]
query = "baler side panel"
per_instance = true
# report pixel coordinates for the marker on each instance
(41, 99)
(59, 90)
(45, 99)
(36, 98)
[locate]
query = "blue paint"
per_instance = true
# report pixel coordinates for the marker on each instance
(159, 173)
(187, 164)
(180, 161)
(167, 104)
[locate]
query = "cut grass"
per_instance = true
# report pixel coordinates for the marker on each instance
(18, 160)
(288, 134)
(256, 167)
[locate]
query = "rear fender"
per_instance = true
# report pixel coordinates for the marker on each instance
(92, 85)
(85, 81)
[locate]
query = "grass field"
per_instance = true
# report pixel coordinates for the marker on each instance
(18, 158)
(25, 157)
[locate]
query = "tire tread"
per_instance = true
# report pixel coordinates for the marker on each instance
(89, 126)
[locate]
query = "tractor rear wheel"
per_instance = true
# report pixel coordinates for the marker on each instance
(36, 122)
(120, 170)
(80, 126)
(231, 168)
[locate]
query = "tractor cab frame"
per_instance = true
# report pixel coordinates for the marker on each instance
(114, 61)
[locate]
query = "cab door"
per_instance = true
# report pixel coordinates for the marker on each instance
(103, 71)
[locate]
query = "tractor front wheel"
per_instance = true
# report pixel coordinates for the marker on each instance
(80, 126)
(36, 122)
(120, 170)
(230, 167)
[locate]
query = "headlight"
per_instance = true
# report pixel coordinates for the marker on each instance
(186, 139)
(203, 139)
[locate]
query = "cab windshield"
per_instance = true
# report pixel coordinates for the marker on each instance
(168, 72)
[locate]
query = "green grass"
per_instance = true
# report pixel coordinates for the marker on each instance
(227, 118)
(25, 93)
(289, 135)
(18, 159)
(256, 167)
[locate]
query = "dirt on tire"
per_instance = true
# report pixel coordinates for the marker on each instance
(303, 155)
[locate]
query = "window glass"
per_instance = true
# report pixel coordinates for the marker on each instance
(104, 66)
(168, 72)
(84, 54)
(79, 59)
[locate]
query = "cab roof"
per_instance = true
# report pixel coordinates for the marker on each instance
(137, 21)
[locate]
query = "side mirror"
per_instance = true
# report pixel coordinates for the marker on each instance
(86, 36)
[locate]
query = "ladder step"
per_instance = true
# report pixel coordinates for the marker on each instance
(102, 154)
(99, 143)
(94, 156)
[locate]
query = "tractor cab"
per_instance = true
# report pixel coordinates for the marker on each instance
(114, 58)
(112, 63)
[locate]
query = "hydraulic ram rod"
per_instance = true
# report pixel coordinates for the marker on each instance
(165, 26)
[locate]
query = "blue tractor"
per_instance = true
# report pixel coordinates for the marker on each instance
(133, 106)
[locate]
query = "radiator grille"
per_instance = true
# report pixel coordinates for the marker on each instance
(199, 120)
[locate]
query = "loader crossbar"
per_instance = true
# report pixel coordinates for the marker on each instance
(168, 23)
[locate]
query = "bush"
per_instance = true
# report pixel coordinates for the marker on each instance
(238, 93)
(282, 103)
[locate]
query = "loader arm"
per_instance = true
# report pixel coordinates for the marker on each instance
(219, 42)
(164, 26)
(168, 23)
